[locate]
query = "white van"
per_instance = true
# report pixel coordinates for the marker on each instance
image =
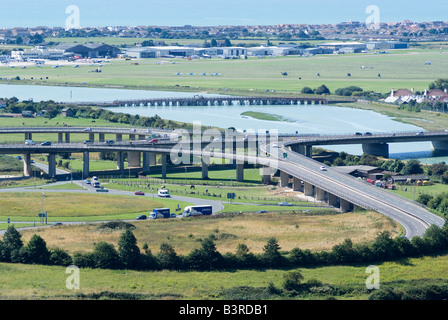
(163, 193)
(30, 142)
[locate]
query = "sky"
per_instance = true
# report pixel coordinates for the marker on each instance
(51, 13)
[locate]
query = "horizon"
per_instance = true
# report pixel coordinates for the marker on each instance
(209, 13)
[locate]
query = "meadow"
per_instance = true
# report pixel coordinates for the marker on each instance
(398, 69)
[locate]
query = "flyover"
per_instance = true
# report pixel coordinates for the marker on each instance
(338, 189)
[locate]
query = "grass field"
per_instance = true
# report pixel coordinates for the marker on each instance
(400, 69)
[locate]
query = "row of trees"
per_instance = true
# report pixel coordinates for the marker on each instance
(207, 257)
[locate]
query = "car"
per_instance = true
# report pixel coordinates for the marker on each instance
(285, 204)
(357, 134)
(57, 224)
(153, 141)
(110, 142)
(322, 168)
(32, 161)
(88, 142)
(46, 143)
(139, 193)
(30, 142)
(87, 129)
(19, 157)
(88, 182)
(173, 215)
(262, 211)
(142, 217)
(446, 130)
(368, 133)
(132, 130)
(275, 145)
(420, 133)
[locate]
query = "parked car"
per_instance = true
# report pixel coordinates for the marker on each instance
(46, 143)
(139, 193)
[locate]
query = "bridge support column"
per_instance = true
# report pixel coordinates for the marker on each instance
(204, 169)
(27, 168)
(28, 136)
(265, 175)
(67, 137)
(141, 137)
(134, 159)
(101, 137)
(131, 137)
(85, 165)
(240, 172)
(119, 137)
(309, 151)
(439, 145)
(164, 158)
(120, 161)
(146, 163)
(332, 200)
(52, 165)
(60, 137)
(320, 194)
(376, 149)
(308, 189)
(345, 205)
(296, 184)
(284, 179)
(92, 137)
(299, 148)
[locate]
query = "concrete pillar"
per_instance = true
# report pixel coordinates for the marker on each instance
(120, 161)
(284, 179)
(67, 137)
(28, 136)
(163, 166)
(27, 168)
(240, 172)
(85, 165)
(141, 137)
(376, 149)
(299, 148)
(60, 137)
(204, 169)
(309, 151)
(439, 145)
(52, 165)
(91, 136)
(332, 200)
(146, 164)
(345, 205)
(308, 189)
(101, 137)
(265, 175)
(119, 137)
(134, 159)
(296, 184)
(152, 158)
(320, 194)
(132, 137)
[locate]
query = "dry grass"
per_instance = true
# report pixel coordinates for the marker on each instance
(291, 231)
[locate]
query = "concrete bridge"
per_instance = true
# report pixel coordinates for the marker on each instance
(217, 100)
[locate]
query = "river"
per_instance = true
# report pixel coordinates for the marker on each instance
(306, 119)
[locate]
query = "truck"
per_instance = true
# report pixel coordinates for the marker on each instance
(203, 210)
(160, 213)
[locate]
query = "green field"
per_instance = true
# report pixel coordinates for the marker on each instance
(399, 69)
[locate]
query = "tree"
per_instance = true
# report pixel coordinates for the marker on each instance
(128, 251)
(105, 256)
(322, 90)
(60, 257)
(292, 280)
(307, 90)
(167, 257)
(412, 167)
(271, 253)
(206, 257)
(11, 243)
(37, 251)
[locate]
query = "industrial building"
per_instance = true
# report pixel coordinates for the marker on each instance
(387, 45)
(39, 52)
(89, 50)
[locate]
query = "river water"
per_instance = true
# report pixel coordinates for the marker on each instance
(304, 119)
